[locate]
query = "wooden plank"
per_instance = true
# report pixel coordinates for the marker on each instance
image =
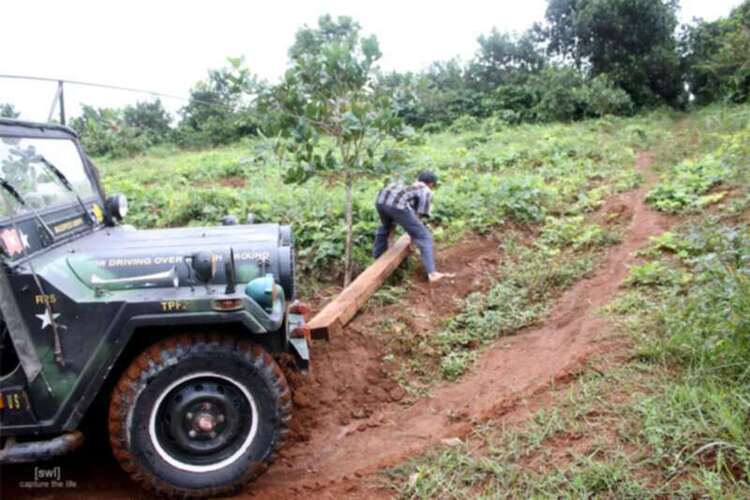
(337, 313)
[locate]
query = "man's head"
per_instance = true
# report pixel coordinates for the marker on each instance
(428, 178)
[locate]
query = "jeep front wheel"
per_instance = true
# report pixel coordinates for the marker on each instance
(194, 416)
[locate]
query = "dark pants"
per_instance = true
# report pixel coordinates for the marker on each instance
(408, 220)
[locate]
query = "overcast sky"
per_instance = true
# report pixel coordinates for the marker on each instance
(166, 46)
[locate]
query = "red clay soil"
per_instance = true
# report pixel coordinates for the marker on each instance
(350, 418)
(350, 382)
(339, 452)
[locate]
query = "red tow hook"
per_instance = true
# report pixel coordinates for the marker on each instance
(301, 308)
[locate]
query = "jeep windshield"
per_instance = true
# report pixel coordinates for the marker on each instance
(22, 166)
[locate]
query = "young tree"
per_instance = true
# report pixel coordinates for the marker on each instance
(332, 120)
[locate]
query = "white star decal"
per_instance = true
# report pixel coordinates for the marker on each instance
(46, 321)
(24, 239)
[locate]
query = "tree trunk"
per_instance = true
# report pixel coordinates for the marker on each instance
(349, 223)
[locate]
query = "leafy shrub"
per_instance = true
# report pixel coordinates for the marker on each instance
(465, 123)
(150, 119)
(565, 94)
(432, 128)
(702, 332)
(523, 198)
(454, 364)
(574, 232)
(652, 273)
(104, 134)
(482, 201)
(121, 133)
(687, 183)
(206, 205)
(514, 101)
(600, 97)
(702, 320)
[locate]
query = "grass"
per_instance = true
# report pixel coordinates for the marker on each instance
(574, 449)
(521, 174)
(529, 280)
(671, 420)
(531, 275)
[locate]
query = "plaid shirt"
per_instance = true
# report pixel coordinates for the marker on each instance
(417, 197)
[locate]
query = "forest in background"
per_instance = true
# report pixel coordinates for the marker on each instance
(585, 59)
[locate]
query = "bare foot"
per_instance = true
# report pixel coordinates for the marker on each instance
(436, 276)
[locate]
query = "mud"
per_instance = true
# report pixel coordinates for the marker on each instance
(351, 419)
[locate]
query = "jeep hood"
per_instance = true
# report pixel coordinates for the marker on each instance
(124, 258)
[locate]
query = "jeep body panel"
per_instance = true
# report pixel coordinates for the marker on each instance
(86, 281)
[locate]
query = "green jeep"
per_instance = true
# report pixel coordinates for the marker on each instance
(181, 327)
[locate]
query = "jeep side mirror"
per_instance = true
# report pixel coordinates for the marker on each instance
(117, 207)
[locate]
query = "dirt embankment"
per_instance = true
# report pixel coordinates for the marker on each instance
(341, 450)
(351, 384)
(347, 391)
(350, 416)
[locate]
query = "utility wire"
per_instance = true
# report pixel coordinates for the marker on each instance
(99, 85)
(116, 87)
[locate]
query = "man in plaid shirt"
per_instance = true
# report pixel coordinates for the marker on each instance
(405, 205)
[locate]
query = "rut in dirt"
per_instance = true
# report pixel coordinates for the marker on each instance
(349, 418)
(512, 369)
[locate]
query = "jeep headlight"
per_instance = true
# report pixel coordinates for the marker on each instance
(264, 291)
(117, 207)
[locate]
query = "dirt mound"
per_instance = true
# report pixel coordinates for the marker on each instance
(350, 382)
(514, 370)
(350, 417)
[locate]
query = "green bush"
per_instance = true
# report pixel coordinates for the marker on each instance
(432, 127)
(716, 57)
(464, 123)
(707, 325)
(687, 183)
(574, 232)
(703, 334)
(121, 133)
(565, 94)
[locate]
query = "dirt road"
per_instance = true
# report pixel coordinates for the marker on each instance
(349, 417)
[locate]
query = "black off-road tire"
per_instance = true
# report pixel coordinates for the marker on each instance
(221, 376)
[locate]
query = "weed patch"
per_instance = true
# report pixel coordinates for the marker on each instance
(519, 174)
(671, 420)
(530, 277)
